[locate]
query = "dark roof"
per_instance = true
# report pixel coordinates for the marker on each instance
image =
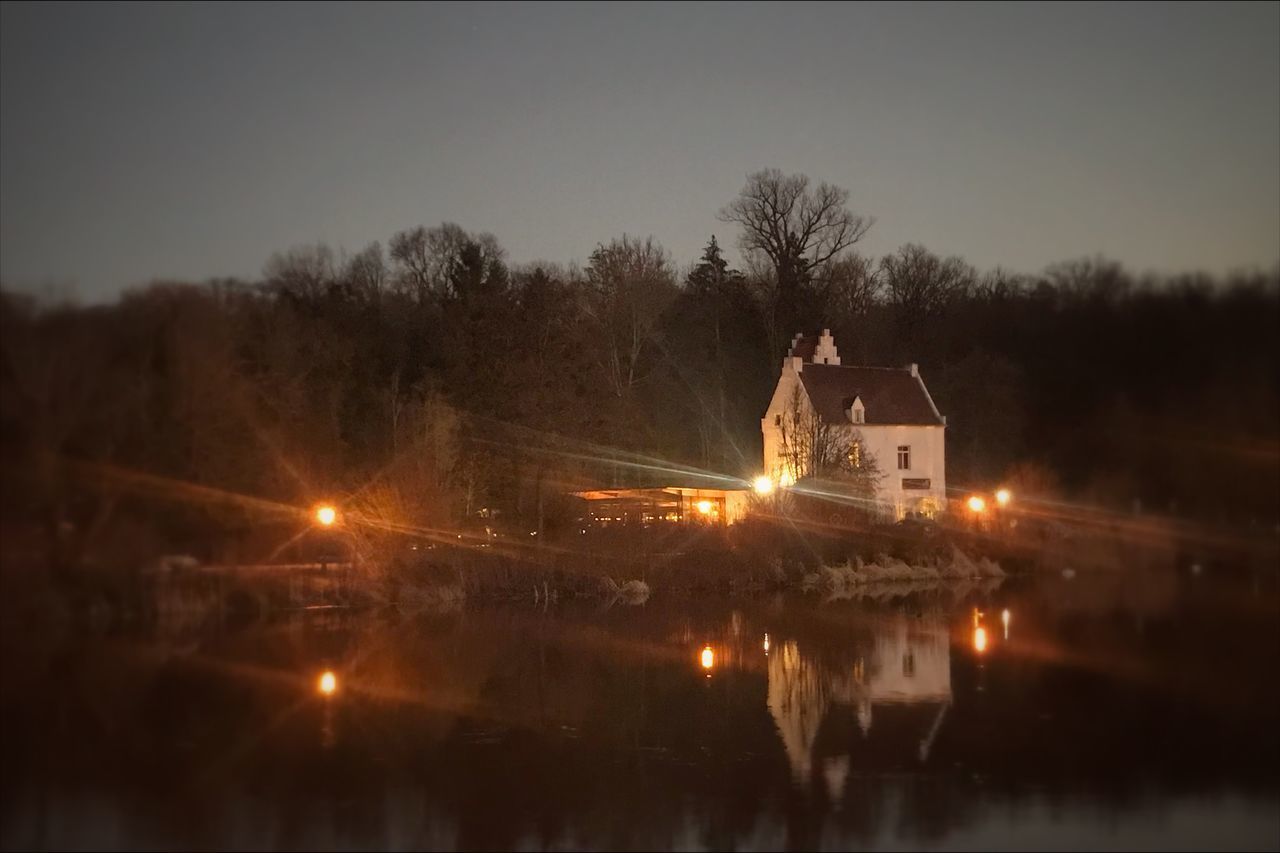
(891, 395)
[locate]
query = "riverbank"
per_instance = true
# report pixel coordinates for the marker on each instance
(613, 567)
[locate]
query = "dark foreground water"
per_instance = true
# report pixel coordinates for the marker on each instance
(1117, 712)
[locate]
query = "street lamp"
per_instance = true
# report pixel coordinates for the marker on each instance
(977, 505)
(326, 515)
(763, 485)
(1003, 496)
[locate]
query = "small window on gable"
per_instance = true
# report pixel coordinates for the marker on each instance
(859, 415)
(904, 457)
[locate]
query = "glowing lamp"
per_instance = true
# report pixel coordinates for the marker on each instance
(979, 639)
(977, 504)
(704, 507)
(328, 683)
(326, 515)
(762, 484)
(708, 658)
(1003, 496)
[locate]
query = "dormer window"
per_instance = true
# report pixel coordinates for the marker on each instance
(855, 410)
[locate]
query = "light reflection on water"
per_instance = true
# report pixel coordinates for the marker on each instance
(847, 723)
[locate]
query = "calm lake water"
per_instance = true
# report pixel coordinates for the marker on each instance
(1138, 711)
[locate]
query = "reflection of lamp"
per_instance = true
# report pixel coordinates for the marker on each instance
(766, 644)
(328, 683)
(1004, 617)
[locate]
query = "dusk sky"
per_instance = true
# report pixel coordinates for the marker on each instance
(186, 142)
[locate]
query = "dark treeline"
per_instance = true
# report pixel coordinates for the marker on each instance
(431, 382)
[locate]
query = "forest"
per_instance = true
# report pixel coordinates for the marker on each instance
(434, 383)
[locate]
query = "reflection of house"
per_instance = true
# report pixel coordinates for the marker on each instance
(673, 504)
(909, 663)
(888, 408)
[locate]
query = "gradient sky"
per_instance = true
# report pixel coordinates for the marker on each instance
(193, 141)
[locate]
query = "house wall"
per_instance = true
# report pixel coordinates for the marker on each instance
(928, 461)
(772, 433)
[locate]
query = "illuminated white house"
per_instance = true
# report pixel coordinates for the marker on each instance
(888, 408)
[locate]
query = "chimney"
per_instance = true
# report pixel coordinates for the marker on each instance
(791, 360)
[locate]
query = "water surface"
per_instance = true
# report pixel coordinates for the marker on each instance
(1135, 711)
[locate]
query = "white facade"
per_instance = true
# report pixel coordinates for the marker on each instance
(914, 481)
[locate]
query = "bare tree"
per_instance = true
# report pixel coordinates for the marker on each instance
(629, 284)
(425, 258)
(366, 272)
(797, 229)
(853, 284)
(813, 448)
(920, 285)
(1093, 278)
(303, 272)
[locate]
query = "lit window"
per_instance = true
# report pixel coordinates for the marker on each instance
(904, 457)
(855, 454)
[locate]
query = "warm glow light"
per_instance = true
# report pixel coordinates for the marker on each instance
(979, 639)
(977, 504)
(763, 485)
(708, 658)
(1003, 496)
(326, 515)
(328, 683)
(1004, 617)
(704, 507)
(766, 644)
(786, 480)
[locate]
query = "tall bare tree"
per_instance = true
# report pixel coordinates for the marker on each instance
(798, 230)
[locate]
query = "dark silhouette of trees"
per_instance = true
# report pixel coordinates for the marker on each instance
(629, 283)
(438, 386)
